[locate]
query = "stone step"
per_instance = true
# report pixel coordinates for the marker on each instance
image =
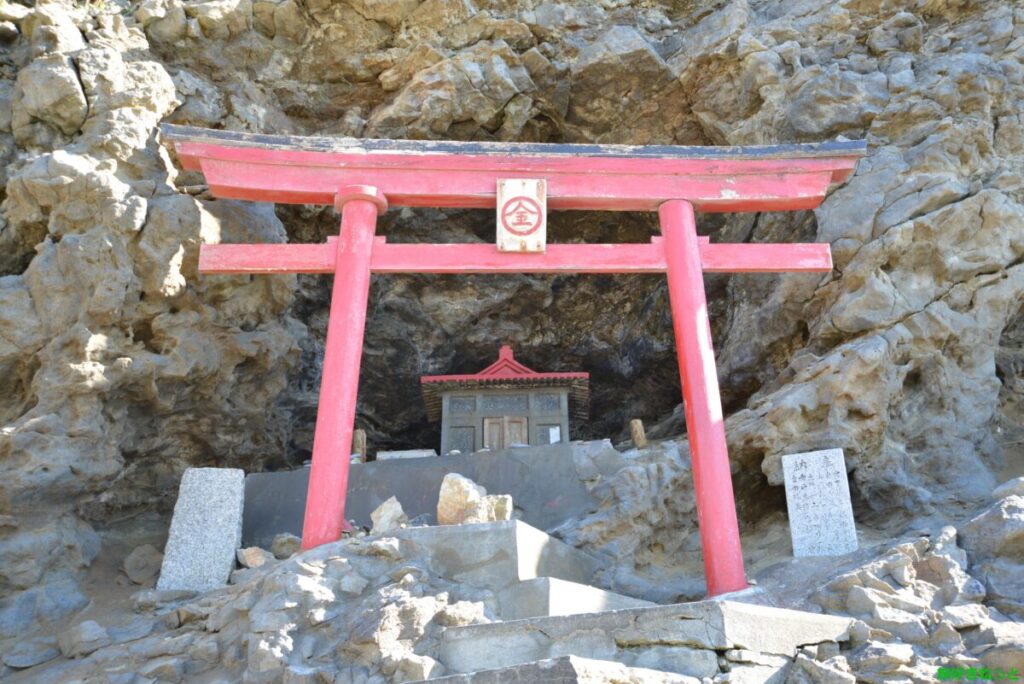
(546, 596)
(567, 670)
(496, 555)
(684, 638)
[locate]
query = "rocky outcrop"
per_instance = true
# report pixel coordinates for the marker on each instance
(123, 367)
(995, 541)
(105, 345)
(396, 609)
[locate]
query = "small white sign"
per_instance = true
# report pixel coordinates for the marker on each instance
(410, 453)
(522, 215)
(555, 434)
(818, 500)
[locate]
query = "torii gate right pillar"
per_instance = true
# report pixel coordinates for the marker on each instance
(709, 456)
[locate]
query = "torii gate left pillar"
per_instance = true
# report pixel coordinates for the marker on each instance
(669, 180)
(324, 519)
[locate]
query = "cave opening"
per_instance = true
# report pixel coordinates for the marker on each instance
(617, 328)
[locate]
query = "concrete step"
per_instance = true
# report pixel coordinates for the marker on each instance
(684, 638)
(496, 555)
(567, 670)
(546, 596)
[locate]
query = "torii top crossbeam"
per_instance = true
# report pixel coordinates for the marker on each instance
(361, 178)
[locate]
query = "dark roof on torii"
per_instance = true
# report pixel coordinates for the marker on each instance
(506, 373)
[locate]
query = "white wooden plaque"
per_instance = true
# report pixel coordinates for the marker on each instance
(818, 500)
(522, 215)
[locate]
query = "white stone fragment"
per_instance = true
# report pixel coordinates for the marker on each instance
(408, 453)
(388, 516)
(463, 501)
(254, 557)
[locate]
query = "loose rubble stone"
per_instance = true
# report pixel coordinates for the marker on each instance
(285, 545)
(254, 557)
(1014, 487)
(463, 501)
(48, 91)
(82, 639)
(388, 516)
(143, 563)
(31, 652)
(882, 657)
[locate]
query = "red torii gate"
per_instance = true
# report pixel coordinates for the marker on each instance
(361, 178)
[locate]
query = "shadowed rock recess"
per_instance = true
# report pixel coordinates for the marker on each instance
(120, 366)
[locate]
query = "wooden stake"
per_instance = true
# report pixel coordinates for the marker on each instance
(359, 443)
(636, 432)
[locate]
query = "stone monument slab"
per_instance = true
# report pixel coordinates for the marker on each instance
(205, 531)
(818, 499)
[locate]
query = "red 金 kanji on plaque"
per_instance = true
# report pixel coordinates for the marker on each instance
(522, 215)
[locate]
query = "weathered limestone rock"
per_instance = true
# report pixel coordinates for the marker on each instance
(48, 91)
(31, 652)
(463, 501)
(1007, 645)
(994, 541)
(82, 639)
(254, 557)
(1014, 487)
(221, 19)
(143, 563)
(474, 85)
(388, 516)
(998, 531)
(206, 530)
(285, 545)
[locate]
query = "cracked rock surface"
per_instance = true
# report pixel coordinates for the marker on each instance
(120, 366)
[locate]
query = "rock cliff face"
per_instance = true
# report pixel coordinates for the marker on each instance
(120, 366)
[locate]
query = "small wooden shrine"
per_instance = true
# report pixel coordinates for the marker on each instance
(505, 405)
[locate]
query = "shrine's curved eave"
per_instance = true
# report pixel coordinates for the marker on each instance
(506, 373)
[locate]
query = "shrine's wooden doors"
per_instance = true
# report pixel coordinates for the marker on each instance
(503, 432)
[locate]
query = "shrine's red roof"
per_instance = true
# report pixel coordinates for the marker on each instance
(506, 372)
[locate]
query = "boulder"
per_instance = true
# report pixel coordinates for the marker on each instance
(463, 501)
(48, 91)
(31, 652)
(388, 516)
(83, 639)
(285, 545)
(1013, 487)
(143, 563)
(997, 531)
(254, 557)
